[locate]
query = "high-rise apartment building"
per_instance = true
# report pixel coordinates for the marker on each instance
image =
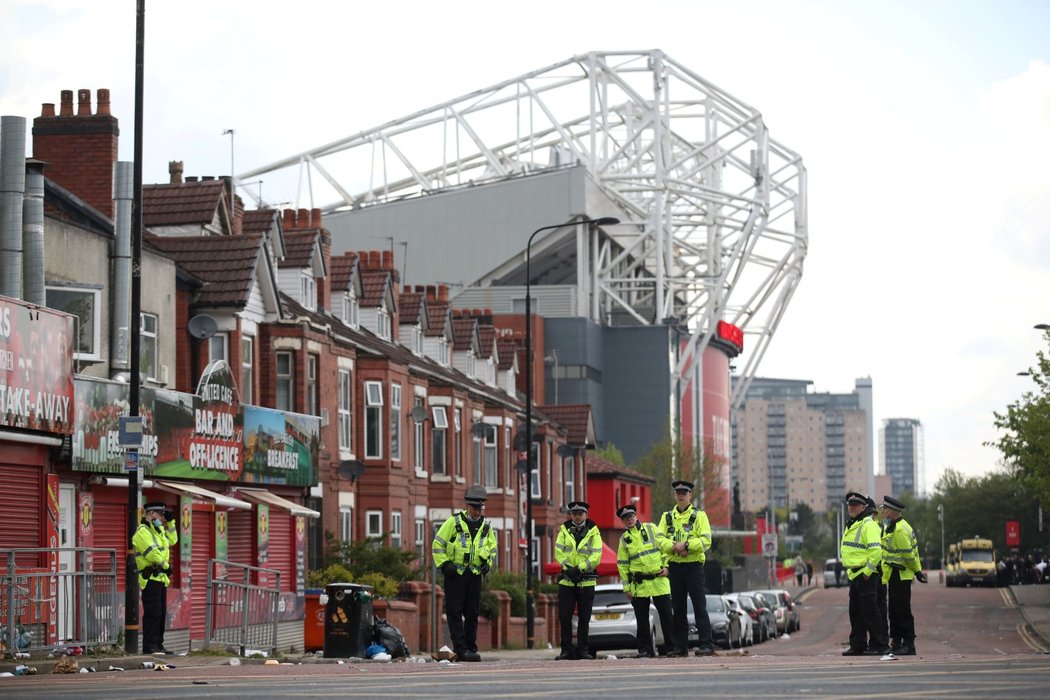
(792, 445)
(901, 454)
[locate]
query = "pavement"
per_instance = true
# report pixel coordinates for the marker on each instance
(1033, 600)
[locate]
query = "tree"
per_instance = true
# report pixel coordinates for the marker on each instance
(981, 505)
(1025, 428)
(610, 453)
(669, 460)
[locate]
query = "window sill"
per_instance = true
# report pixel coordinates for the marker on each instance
(441, 478)
(460, 480)
(421, 474)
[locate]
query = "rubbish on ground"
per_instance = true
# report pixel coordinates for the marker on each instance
(382, 656)
(271, 662)
(65, 664)
(115, 668)
(235, 661)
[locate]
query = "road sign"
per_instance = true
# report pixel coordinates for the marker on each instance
(130, 431)
(131, 460)
(769, 544)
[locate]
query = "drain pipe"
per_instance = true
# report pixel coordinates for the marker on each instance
(12, 189)
(123, 178)
(33, 234)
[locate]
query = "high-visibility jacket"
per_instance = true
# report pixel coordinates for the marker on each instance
(454, 543)
(861, 547)
(639, 559)
(900, 550)
(690, 526)
(578, 556)
(153, 552)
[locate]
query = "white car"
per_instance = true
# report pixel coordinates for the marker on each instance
(613, 624)
(747, 630)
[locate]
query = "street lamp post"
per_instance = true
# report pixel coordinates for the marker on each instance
(940, 516)
(530, 613)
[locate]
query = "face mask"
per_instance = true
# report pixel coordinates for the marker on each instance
(158, 525)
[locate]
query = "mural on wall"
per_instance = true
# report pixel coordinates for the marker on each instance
(36, 367)
(196, 436)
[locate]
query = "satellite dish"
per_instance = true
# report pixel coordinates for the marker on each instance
(419, 414)
(351, 469)
(202, 326)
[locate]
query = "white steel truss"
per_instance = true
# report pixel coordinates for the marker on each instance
(719, 207)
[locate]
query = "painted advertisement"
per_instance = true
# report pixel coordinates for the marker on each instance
(36, 367)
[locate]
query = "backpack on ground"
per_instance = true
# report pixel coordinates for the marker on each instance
(389, 636)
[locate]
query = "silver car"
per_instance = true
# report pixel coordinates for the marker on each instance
(613, 625)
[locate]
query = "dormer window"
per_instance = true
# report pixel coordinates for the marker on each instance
(417, 341)
(470, 364)
(383, 323)
(442, 357)
(308, 292)
(350, 310)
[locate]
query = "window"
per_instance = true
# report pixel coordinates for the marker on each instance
(311, 385)
(346, 523)
(148, 346)
(457, 439)
(373, 416)
(84, 304)
(568, 478)
(476, 443)
(247, 362)
(491, 467)
(374, 524)
(217, 346)
(308, 292)
(419, 435)
(285, 385)
(439, 439)
(417, 341)
(383, 323)
(421, 541)
(535, 487)
(395, 529)
(442, 357)
(345, 409)
(350, 310)
(395, 422)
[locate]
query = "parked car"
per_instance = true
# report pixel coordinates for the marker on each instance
(725, 623)
(834, 574)
(785, 609)
(765, 609)
(613, 623)
(763, 623)
(747, 627)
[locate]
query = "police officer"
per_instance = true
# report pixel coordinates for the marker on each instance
(153, 541)
(900, 565)
(578, 549)
(643, 571)
(684, 536)
(464, 549)
(861, 554)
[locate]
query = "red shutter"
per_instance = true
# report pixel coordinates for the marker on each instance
(203, 534)
(21, 498)
(110, 524)
(282, 527)
(240, 535)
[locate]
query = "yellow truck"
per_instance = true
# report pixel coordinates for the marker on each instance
(972, 561)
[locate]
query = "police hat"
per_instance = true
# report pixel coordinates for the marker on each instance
(682, 485)
(155, 506)
(623, 511)
(579, 507)
(476, 495)
(854, 498)
(892, 503)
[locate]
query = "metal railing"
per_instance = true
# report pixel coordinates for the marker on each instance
(243, 606)
(42, 607)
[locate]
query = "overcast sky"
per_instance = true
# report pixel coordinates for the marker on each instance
(924, 126)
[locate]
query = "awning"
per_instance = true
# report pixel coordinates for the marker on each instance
(272, 499)
(200, 492)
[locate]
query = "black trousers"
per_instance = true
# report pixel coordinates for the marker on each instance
(154, 616)
(864, 614)
(687, 582)
(580, 599)
(902, 624)
(880, 596)
(462, 606)
(641, 614)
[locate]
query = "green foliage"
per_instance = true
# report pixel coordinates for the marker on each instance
(513, 584)
(981, 505)
(670, 459)
(610, 453)
(1025, 433)
(489, 605)
(369, 563)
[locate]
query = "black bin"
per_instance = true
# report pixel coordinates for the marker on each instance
(347, 620)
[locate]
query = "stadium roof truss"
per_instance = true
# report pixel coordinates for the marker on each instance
(718, 207)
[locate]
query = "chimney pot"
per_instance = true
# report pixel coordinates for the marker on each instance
(174, 172)
(289, 219)
(191, 178)
(48, 110)
(103, 101)
(302, 218)
(420, 289)
(67, 104)
(315, 218)
(442, 292)
(487, 313)
(375, 260)
(83, 103)
(432, 293)
(388, 260)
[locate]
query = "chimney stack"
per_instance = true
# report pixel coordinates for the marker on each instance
(80, 149)
(442, 292)
(388, 260)
(174, 172)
